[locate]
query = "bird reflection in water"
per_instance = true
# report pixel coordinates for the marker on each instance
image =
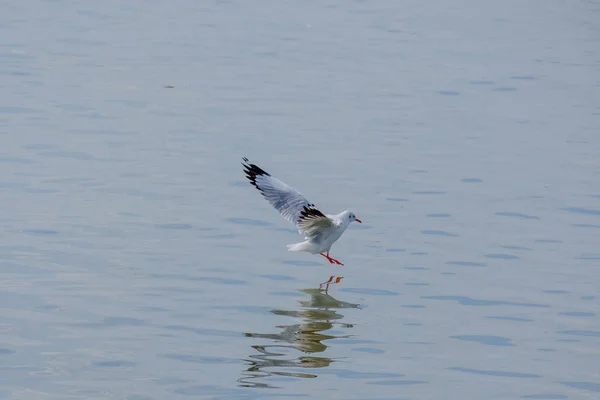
(319, 314)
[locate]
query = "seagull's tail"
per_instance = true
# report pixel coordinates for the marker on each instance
(304, 246)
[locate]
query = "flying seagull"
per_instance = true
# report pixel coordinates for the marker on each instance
(320, 230)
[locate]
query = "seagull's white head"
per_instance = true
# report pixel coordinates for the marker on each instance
(349, 215)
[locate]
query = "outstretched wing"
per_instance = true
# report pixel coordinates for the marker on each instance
(290, 203)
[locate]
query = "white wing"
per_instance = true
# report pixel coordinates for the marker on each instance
(289, 202)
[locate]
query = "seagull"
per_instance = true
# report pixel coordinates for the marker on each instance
(320, 230)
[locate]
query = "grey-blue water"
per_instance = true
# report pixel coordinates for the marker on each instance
(137, 263)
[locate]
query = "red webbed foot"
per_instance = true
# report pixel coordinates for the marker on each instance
(334, 261)
(331, 260)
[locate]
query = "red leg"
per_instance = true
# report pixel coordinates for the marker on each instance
(326, 282)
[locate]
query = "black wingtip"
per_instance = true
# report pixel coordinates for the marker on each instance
(252, 171)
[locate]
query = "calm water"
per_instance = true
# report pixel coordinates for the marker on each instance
(138, 264)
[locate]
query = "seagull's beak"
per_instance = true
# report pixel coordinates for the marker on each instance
(358, 220)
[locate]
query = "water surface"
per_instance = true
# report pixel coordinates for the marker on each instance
(138, 264)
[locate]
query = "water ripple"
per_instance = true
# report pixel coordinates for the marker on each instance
(397, 382)
(516, 215)
(503, 256)
(581, 333)
(578, 314)
(485, 339)
(589, 386)
(300, 263)
(582, 210)
(427, 192)
(349, 374)
(467, 301)
(516, 248)
(370, 350)
(515, 319)
(438, 233)
(203, 332)
(199, 359)
(40, 232)
(121, 364)
(586, 226)
(506, 374)
(174, 226)
(556, 291)
(222, 281)
(466, 263)
(248, 221)
(376, 292)
(279, 277)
